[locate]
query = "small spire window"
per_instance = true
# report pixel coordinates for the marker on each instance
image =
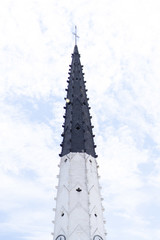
(77, 126)
(78, 190)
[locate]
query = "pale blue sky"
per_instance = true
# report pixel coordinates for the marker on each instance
(120, 51)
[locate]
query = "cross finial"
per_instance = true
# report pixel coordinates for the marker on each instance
(75, 34)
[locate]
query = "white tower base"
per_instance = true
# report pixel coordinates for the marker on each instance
(79, 212)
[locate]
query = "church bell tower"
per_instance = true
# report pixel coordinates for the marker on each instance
(79, 211)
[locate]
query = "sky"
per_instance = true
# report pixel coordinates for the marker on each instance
(120, 49)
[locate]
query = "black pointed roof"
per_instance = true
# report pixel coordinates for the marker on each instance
(77, 135)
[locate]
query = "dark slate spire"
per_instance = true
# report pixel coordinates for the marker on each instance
(77, 135)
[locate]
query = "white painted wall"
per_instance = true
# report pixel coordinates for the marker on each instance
(78, 215)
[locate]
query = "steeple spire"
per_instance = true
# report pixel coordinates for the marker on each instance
(77, 135)
(79, 210)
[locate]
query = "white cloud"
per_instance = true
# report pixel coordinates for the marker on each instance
(119, 45)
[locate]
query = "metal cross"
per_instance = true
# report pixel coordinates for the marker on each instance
(75, 34)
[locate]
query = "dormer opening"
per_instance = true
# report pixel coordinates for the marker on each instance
(78, 127)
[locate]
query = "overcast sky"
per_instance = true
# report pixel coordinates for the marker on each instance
(120, 50)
